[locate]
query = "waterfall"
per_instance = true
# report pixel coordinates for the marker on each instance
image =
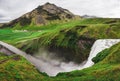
(44, 63)
(97, 47)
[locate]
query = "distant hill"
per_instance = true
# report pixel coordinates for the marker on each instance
(89, 16)
(42, 15)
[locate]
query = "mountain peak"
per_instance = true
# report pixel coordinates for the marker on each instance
(53, 9)
(48, 4)
(89, 16)
(50, 8)
(42, 15)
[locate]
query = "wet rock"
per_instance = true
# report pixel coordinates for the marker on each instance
(16, 58)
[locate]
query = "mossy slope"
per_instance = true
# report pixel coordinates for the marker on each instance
(16, 68)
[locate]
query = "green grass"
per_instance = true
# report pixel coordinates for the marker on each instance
(16, 68)
(109, 55)
(98, 28)
(14, 36)
(100, 56)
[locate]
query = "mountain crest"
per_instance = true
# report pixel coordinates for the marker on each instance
(43, 15)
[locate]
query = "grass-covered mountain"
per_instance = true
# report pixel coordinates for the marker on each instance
(59, 31)
(42, 15)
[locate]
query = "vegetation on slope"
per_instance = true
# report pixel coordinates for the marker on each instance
(14, 36)
(110, 55)
(100, 56)
(17, 68)
(97, 28)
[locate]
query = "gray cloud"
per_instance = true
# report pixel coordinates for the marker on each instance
(10, 9)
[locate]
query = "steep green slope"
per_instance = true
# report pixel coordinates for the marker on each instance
(16, 68)
(110, 56)
(93, 28)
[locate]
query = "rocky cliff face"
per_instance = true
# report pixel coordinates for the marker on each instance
(42, 15)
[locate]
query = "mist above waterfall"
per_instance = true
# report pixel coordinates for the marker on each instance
(52, 64)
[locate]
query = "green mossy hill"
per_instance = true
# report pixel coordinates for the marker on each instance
(16, 68)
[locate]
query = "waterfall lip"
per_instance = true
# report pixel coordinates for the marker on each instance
(54, 69)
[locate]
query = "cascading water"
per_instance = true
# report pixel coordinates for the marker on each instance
(45, 63)
(98, 46)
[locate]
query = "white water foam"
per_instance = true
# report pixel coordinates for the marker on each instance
(45, 63)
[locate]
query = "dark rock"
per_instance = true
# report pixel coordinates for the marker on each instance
(16, 58)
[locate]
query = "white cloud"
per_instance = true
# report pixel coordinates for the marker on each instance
(10, 9)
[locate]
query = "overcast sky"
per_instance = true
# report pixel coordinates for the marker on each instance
(11, 9)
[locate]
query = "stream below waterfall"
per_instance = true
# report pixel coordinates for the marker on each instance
(44, 63)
